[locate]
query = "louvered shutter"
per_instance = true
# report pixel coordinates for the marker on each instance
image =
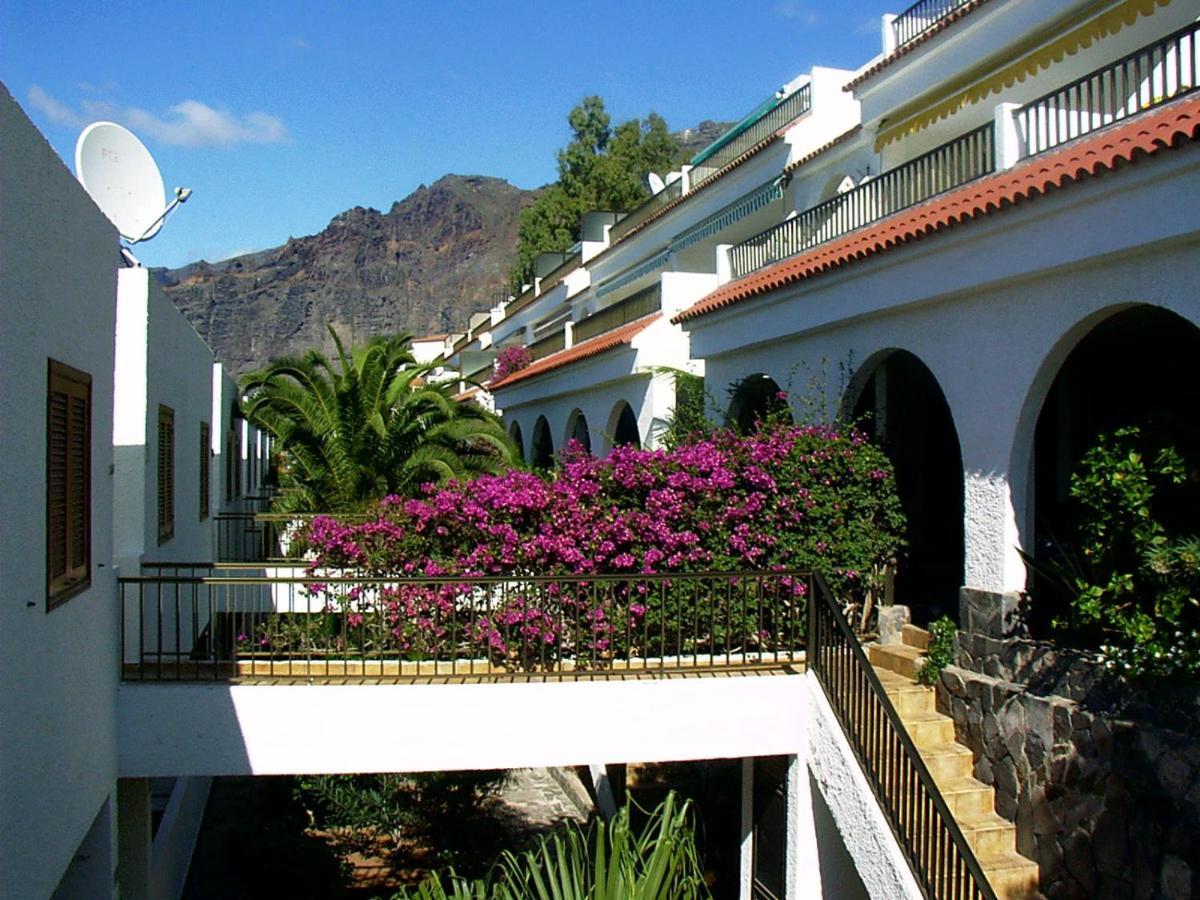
(68, 482)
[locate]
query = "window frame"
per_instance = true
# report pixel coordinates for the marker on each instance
(166, 473)
(72, 383)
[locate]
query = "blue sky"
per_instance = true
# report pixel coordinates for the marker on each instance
(279, 115)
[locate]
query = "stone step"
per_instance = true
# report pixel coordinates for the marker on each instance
(906, 695)
(968, 796)
(947, 762)
(899, 658)
(988, 834)
(928, 730)
(1012, 876)
(915, 636)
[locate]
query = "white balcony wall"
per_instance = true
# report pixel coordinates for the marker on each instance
(58, 737)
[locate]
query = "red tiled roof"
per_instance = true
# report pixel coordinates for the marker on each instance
(468, 394)
(1146, 135)
(912, 45)
(601, 343)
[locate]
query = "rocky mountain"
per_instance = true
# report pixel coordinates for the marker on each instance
(424, 266)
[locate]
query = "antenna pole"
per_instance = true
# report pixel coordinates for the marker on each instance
(181, 196)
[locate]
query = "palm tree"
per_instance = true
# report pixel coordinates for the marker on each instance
(375, 427)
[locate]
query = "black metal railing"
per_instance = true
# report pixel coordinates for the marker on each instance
(954, 163)
(742, 137)
(921, 17)
(251, 537)
(231, 624)
(937, 851)
(636, 305)
(1149, 77)
(645, 209)
(551, 343)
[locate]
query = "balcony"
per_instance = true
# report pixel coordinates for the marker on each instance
(946, 167)
(765, 121)
(633, 307)
(922, 17)
(647, 208)
(1147, 78)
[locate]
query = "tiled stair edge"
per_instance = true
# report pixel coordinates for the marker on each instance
(863, 828)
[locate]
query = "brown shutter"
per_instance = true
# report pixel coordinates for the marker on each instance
(68, 482)
(205, 468)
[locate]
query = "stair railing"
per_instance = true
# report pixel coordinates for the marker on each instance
(937, 851)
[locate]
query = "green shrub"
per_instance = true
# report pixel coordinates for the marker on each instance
(941, 650)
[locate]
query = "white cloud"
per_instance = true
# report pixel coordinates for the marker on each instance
(789, 9)
(296, 42)
(57, 112)
(190, 123)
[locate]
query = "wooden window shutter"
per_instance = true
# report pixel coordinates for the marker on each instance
(205, 468)
(166, 473)
(68, 482)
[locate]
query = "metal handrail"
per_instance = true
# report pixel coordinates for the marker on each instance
(225, 624)
(967, 157)
(791, 107)
(921, 17)
(1148, 77)
(937, 851)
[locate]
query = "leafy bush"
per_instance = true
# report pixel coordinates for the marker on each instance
(509, 360)
(606, 862)
(941, 650)
(1132, 580)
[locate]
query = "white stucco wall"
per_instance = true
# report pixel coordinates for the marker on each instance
(160, 360)
(992, 308)
(221, 729)
(58, 259)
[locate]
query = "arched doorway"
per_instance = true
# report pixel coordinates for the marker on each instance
(514, 433)
(754, 398)
(577, 430)
(1136, 368)
(624, 427)
(541, 449)
(902, 407)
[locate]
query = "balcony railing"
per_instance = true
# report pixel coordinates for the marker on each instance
(1149, 77)
(964, 159)
(747, 133)
(559, 272)
(921, 17)
(261, 537)
(633, 307)
(231, 625)
(551, 343)
(645, 209)
(936, 849)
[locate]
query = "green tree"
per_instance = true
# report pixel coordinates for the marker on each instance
(369, 428)
(602, 167)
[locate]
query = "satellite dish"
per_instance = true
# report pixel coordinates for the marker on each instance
(656, 183)
(672, 177)
(120, 175)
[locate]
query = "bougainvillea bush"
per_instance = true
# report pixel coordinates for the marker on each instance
(785, 498)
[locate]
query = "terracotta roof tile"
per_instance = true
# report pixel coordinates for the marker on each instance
(905, 49)
(1146, 135)
(468, 394)
(602, 343)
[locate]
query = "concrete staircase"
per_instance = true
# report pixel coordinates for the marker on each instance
(992, 838)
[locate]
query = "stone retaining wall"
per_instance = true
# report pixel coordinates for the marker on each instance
(1103, 782)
